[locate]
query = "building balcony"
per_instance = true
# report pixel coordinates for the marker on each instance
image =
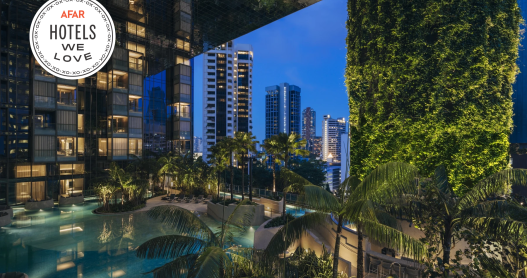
(136, 132)
(67, 129)
(181, 135)
(45, 129)
(45, 102)
(135, 111)
(119, 110)
(182, 116)
(44, 155)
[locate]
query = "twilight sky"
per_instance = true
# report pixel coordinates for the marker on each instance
(307, 49)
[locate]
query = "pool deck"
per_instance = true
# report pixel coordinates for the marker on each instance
(156, 201)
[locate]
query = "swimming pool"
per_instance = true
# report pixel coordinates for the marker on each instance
(74, 242)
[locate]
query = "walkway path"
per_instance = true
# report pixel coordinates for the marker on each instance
(156, 201)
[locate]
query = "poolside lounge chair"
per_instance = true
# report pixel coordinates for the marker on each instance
(209, 198)
(199, 199)
(190, 198)
(172, 197)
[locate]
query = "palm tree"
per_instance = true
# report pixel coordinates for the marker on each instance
(377, 224)
(119, 177)
(169, 164)
(246, 142)
(195, 251)
(287, 146)
(480, 209)
(231, 145)
(270, 149)
(219, 160)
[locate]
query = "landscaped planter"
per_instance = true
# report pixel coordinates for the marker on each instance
(263, 235)
(275, 206)
(71, 200)
(216, 211)
(5, 219)
(47, 204)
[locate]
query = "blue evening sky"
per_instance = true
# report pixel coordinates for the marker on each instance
(307, 49)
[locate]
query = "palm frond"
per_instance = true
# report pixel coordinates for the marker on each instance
(441, 180)
(317, 198)
(177, 268)
(494, 267)
(386, 182)
(495, 226)
(348, 186)
(295, 181)
(169, 247)
(497, 208)
(182, 221)
(292, 232)
(393, 238)
(387, 219)
(353, 209)
(498, 183)
(209, 263)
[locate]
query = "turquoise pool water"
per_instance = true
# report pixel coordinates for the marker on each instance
(74, 242)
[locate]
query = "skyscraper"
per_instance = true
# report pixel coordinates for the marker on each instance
(309, 126)
(332, 129)
(227, 93)
(282, 109)
(57, 135)
(198, 144)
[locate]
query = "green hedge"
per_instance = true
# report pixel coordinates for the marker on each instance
(429, 83)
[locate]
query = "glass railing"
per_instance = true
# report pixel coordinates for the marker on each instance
(67, 103)
(45, 153)
(45, 102)
(183, 98)
(136, 67)
(117, 86)
(134, 109)
(182, 116)
(121, 109)
(120, 129)
(66, 152)
(45, 128)
(67, 127)
(43, 75)
(136, 131)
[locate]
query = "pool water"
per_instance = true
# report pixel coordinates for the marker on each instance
(74, 242)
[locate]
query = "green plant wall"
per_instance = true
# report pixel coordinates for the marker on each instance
(429, 83)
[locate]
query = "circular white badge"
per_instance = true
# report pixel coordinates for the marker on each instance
(72, 39)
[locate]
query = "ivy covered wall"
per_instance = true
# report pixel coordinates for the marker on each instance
(429, 83)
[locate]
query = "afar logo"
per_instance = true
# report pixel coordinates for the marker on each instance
(72, 39)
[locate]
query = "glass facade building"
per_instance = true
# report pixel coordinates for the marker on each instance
(57, 136)
(282, 109)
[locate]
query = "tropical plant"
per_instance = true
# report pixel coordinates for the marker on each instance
(286, 146)
(247, 144)
(195, 251)
(231, 145)
(312, 170)
(169, 164)
(414, 95)
(119, 177)
(271, 151)
(485, 209)
(219, 160)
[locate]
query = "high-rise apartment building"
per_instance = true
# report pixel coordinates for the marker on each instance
(56, 135)
(316, 146)
(227, 93)
(309, 126)
(282, 109)
(332, 129)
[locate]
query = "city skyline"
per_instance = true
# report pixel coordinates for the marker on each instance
(316, 65)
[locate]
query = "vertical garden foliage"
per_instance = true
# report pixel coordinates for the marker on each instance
(429, 83)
